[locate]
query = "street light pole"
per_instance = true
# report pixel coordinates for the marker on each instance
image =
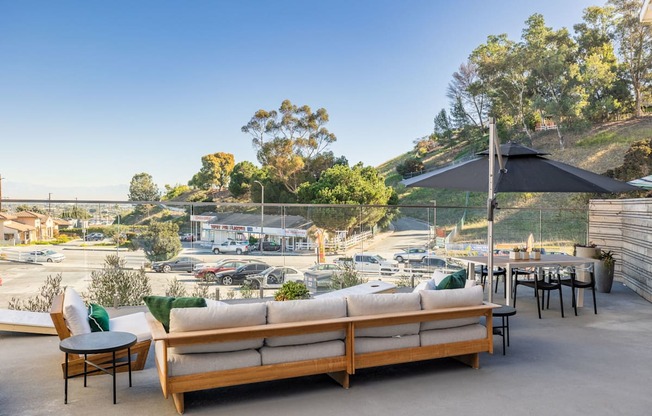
(262, 215)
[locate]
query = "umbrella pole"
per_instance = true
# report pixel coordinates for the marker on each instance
(490, 209)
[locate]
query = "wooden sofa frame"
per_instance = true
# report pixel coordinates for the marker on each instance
(339, 368)
(76, 362)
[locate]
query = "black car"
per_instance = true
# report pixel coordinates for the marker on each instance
(238, 275)
(179, 264)
(267, 246)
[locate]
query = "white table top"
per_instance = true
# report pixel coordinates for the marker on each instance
(502, 261)
(375, 286)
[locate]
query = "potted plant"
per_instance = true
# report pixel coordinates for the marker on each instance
(604, 271)
(291, 291)
(591, 250)
(535, 254)
(515, 254)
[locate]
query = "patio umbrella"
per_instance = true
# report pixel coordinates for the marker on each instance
(645, 182)
(519, 169)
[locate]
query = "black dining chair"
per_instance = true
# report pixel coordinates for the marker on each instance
(549, 280)
(574, 283)
(498, 272)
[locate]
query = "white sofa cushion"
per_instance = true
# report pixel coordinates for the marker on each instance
(185, 364)
(136, 323)
(375, 304)
(75, 312)
(450, 298)
(449, 335)
(217, 316)
(294, 353)
(373, 344)
(305, 310)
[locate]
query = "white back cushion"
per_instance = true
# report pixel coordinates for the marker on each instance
(305, 310)
(450, 298)
(216, 316)
(75, 312)
(375, 304)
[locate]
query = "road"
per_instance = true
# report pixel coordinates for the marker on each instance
(23, 280)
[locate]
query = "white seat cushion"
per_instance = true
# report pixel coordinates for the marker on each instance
(135, 323)
(450, 298)
(75, 312)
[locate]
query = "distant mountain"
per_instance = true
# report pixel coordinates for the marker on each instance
(21, 190)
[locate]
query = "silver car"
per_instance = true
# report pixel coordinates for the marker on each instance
(47, 255)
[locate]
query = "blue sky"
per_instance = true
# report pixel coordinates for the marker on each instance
(92, 93)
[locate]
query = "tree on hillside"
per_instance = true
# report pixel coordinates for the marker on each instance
(34, 208)
(242, 176)
(555, 73)
(357, 185)
(160, 241)
(600, 71)
(288, 139)
(468, 95)
(173, 192)
(443, 129)
(504, 66)
(143, 188)
(214, 172)
(635, 46)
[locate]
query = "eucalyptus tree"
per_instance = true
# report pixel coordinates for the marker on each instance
(215, 171)
(287, 140)
(468, 96)
(555, 77)
(634, 41)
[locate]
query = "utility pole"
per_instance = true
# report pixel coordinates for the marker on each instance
(1, 178)
(50, 203)
(262, 215)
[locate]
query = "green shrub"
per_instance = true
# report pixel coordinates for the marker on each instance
(292, 291)
(43, 301)
(349, 277)
(115, 285)
(175, 289)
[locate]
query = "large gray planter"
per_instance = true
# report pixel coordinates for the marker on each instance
(604, 276)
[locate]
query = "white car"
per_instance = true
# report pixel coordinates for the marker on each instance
(274, 277)
(47, 255)
(231, 246)
(412, 254)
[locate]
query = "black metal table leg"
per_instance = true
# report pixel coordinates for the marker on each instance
(114, 400)
(65, 388)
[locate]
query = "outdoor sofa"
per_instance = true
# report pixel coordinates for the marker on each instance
(231, 344)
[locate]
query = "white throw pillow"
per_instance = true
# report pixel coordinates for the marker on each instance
(75, 313)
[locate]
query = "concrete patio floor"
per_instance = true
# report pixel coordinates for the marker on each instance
(579, 365)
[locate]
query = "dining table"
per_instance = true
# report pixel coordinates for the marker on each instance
(545, 260)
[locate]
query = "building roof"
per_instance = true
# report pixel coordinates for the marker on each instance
(19, 226)
(270, 221)
(7, 216)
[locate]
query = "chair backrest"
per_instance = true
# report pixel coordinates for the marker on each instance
(56, 313)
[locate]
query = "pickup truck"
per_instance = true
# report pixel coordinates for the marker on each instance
(231, 246)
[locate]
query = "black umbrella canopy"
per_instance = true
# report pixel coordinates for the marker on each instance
(525, 170)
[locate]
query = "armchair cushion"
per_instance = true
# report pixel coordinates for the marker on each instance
(75, 313)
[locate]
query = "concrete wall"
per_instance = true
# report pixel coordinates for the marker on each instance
(625, 227)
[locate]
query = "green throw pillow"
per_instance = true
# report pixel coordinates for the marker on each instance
(456, 280)
(98, 318)
(160, 306)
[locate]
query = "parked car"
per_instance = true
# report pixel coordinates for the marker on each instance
(238, 275)
(431, 264)
(320, 276)
(372, 263)
(231, 246)
(188, 237)
(274, 277)
(267, 246)
(178, 264)
(94, 237)
(47, 255)
(209, 273)
(412, 254)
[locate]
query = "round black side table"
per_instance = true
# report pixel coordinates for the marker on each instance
(504, 312)
(97, 343)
